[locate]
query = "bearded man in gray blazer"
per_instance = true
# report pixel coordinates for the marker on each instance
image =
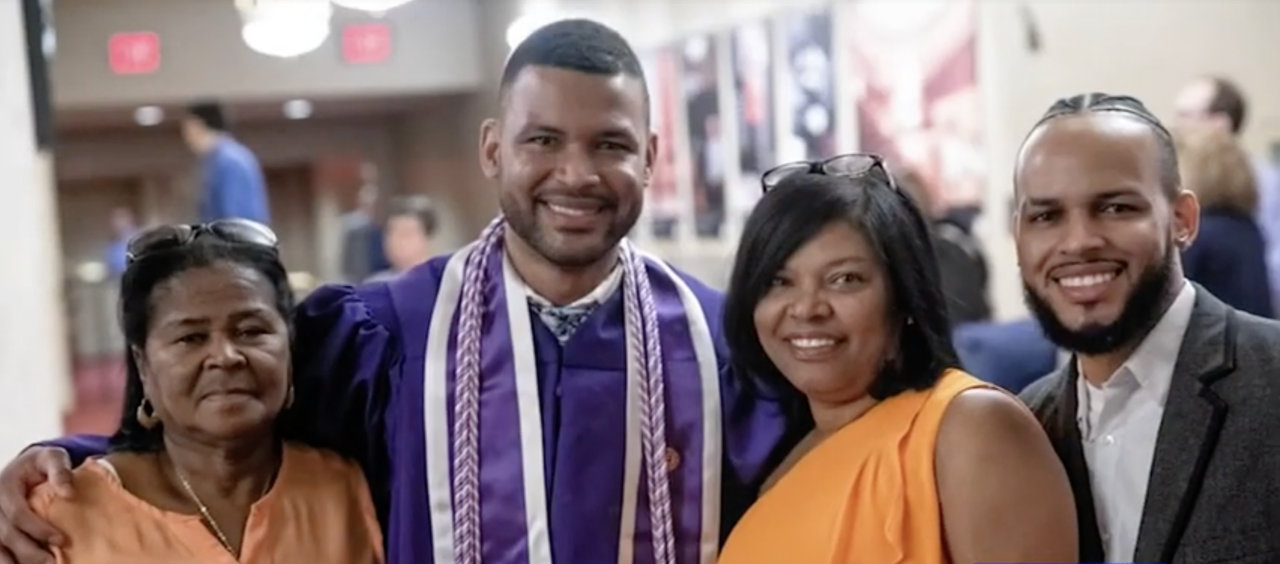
(1167, 417)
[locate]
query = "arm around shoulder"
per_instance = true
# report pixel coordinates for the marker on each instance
(66, 512)
(52, 508)
(77, 517)
(1005, 495)
(78, 447)
(44, 501)
(341, 361)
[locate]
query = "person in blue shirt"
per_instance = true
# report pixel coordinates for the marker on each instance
(232, 183)
(123, 228)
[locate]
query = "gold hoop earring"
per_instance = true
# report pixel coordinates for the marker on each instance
(146, 415)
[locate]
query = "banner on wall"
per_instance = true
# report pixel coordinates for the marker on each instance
(662, 199)
(700, 84)
(807, 91)
(752, 48)
(916, 92)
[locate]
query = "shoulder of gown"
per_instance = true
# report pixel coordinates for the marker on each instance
(712, 302)
(345, 346)
(347, 357)
(757, 430)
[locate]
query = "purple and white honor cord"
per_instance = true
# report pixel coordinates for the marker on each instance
(640, 314)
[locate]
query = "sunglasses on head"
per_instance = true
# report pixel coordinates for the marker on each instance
(170, 237)
(851, 164)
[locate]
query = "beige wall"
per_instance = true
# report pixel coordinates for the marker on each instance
(203, 55)
(33, 340)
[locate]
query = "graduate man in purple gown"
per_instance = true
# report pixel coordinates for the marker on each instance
(548, 393)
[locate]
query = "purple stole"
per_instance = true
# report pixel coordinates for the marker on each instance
(495, 447)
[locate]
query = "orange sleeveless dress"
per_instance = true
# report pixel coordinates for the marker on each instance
(865, 495)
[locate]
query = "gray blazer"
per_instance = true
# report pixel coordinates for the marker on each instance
(1214, 491)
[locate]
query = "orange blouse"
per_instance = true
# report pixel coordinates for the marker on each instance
(318, 511)
(865, 495)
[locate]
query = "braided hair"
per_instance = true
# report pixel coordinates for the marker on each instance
(1097, 102)
(644, 351)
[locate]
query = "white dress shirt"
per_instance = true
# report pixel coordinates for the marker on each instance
(1119, 422)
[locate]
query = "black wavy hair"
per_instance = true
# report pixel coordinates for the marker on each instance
(797, 210)
(211, 113)
(136, 308)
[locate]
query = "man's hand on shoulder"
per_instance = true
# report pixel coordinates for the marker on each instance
(24, 536)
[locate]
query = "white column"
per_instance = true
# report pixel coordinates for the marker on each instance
(34, 371)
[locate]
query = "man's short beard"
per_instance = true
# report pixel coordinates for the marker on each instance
(1142, 310)
(523, 222)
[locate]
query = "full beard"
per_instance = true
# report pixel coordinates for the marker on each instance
(1142, 310)
(523, 221)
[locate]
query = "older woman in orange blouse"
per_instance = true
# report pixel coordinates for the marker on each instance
(835, 305)
(198, 471)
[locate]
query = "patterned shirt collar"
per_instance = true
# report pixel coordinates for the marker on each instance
(564, 320)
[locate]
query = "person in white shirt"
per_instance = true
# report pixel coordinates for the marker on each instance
(1166, 416)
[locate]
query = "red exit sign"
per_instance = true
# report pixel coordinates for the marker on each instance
(366, 43)
(134, 53)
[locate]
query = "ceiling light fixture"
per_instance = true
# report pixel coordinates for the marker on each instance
(297, 109)
(285, 28)
(148, 116)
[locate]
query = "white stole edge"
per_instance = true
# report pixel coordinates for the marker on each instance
(435, 407)
(712, 418)
(525, 365)
(632, 456)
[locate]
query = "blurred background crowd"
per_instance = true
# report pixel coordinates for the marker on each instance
(350, 126)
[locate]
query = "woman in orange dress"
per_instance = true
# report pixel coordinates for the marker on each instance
(201, 470)
(834, 305)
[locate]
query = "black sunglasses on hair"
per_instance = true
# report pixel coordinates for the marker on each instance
(170, 237)
(851, 164)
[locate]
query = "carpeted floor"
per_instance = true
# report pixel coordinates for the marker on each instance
(99, 388)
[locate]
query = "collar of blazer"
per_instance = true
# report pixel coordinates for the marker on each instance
(1193, 418)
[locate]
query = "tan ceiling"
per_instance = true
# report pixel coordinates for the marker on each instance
(256, 112)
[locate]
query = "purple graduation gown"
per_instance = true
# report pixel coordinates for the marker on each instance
(359, 370)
